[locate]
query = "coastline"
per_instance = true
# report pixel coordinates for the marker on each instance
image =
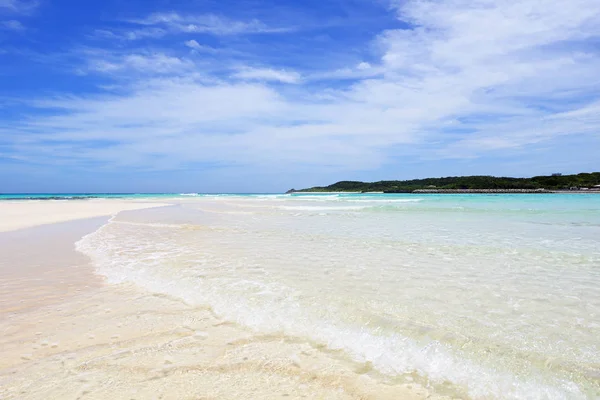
(50, 274)
(554, 182)
(147, 345)
(465, 191)
(499, 191)
(19, 214)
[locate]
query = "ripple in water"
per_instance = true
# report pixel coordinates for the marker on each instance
(487, 297)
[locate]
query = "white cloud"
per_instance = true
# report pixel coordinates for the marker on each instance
(206, 23)
(150, 63)
(145, 33)
(470, 78)
(185, 121)
(105, 34)
(18, 6)
(159, 18)
(497, 58)
(268, 74)
(199, 48)
(158, 25)
(359, 72)
(192, 44)
(12, 25)
(136, 34)
(9, 4)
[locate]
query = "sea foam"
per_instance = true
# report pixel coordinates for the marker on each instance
(480, 301)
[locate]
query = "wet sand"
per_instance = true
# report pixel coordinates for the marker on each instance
(38, 266)
(67, 335)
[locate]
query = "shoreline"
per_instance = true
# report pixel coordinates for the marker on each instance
(51, 274)
(498, 191)
(20, 214)
(468, 191)
(148, 345)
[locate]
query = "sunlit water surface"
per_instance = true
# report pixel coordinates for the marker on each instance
(481, 296)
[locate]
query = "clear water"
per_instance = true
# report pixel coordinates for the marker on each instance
(480, 296)
(83, 196)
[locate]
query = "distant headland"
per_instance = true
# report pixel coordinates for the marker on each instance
(584, 182)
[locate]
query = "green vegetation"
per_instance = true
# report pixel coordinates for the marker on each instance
(553, 182)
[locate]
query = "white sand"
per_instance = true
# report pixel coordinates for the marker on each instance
(25, 214)
(77, 338)
(121, 343)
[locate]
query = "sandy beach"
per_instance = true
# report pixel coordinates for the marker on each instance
(24, 214)
(66, 334)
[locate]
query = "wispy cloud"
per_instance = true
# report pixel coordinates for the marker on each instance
(197, 47)
(206, 23)
(18, 6)
(148, 63)
(192, 44)
(12, 7)
(268, 74)
(135, 34)
(12, 25)
(499, 60)
(462, 79)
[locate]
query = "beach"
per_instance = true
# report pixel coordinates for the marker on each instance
(23, 214)
(67, 333)
(319, 296)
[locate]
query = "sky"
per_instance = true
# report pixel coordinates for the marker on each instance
(268, 95)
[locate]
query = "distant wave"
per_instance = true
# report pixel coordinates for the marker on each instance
(381, 200)
(322, 208)
(49, 198)
(315, 197)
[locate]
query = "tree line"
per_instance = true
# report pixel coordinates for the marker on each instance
(550, 182)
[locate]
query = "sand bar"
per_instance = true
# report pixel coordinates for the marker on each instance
(25, 214)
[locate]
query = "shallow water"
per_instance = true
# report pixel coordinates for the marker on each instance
(481, 296)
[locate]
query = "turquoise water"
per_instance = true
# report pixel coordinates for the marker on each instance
(470, 199)
(478, 296)
(79, 196)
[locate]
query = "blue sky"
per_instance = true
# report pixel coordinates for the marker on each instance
(262, 96)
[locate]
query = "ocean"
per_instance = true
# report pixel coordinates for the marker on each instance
(474, 296)
(89, 196)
